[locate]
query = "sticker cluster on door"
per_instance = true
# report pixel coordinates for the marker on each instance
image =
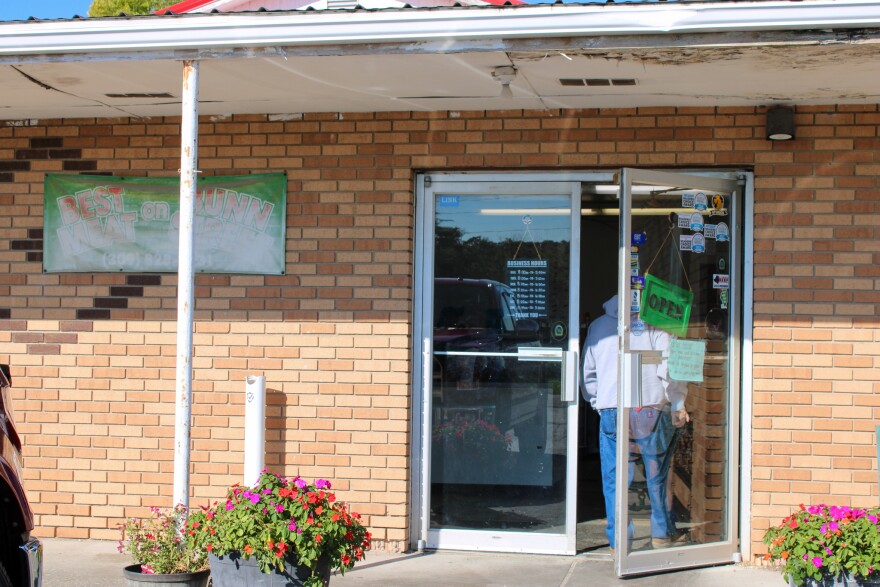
(700, 230)
(637, 282)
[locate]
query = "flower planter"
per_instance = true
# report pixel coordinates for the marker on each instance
(840, 581)
(134, 578)
(234, 571)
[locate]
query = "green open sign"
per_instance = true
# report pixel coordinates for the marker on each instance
(666, 306)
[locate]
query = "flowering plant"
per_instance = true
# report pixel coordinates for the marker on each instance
(157, 545)
(282, 520)
(820, 541)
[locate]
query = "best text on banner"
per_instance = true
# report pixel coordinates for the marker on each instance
(131, 224)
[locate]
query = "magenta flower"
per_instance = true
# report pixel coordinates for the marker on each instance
(229, 506)
(322, 484)
(279, 508)
(817, 561)
(301, 483)
(292, 526)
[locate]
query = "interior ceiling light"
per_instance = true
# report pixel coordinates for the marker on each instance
(505, 75)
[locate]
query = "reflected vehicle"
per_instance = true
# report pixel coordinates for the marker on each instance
(477, 316)
(21, 555)
(490, 415)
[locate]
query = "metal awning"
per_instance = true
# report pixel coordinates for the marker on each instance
(565, 56)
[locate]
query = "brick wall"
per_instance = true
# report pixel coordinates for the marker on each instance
(93, 356)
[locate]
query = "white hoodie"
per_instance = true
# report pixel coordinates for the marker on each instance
(600, 364)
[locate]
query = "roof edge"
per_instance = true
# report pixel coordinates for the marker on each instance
(316, 28)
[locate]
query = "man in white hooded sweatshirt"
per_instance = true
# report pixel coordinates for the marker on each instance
(654, 429)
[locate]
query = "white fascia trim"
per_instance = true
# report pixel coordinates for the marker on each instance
(234, 30)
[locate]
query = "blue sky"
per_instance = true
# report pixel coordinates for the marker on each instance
(21, 10)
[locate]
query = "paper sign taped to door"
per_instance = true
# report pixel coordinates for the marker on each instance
(686, 358)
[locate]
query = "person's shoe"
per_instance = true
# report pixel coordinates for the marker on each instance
(677, 539)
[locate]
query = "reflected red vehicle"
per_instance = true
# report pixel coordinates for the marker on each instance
(21, 555)
(477, 315)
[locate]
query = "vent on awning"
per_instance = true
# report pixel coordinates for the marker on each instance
(597, 82)
(141, 95)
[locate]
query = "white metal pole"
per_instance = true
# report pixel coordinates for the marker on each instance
(254, 429)
(189, 127)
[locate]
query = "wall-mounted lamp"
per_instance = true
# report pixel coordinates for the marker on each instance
(780, 123)
(505, 75)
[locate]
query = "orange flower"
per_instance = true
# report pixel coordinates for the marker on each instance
(784, 555)
(248, 549)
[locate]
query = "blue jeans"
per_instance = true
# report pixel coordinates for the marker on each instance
(655, 449)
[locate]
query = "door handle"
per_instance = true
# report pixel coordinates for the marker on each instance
(569, 382)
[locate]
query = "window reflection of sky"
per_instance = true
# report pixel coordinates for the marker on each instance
(473, 215)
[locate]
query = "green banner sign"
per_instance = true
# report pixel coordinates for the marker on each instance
(666, 306)
(131, 224)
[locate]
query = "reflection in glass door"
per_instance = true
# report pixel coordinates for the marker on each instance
(503, 367)
(678, 276)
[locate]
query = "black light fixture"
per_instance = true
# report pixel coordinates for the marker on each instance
(780, 123)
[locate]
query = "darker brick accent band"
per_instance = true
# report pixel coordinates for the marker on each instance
(111, 302)
(15, 165)
(143, 280)
(92, 314)
(26, 245)
(47, 142)
(31, 154)
(80, 165)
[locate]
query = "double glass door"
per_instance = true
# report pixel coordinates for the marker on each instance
(505, 288)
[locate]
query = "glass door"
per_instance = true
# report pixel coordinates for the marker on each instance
(678, 415)
(500, 368)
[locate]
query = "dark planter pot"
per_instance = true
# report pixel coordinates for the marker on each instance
(841, 581)
(134, 578)
(234, 571)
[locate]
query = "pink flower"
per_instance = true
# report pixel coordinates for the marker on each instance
(147, 570)
(322, 484)
(292, 526)
(229, 506)
(301, 483)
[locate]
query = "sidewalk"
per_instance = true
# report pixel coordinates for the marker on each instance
(96, 563)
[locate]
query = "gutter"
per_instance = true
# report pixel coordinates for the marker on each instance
(206, 32)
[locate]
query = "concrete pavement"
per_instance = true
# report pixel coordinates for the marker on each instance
(96, 563)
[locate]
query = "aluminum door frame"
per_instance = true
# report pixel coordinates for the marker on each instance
(475, 184)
